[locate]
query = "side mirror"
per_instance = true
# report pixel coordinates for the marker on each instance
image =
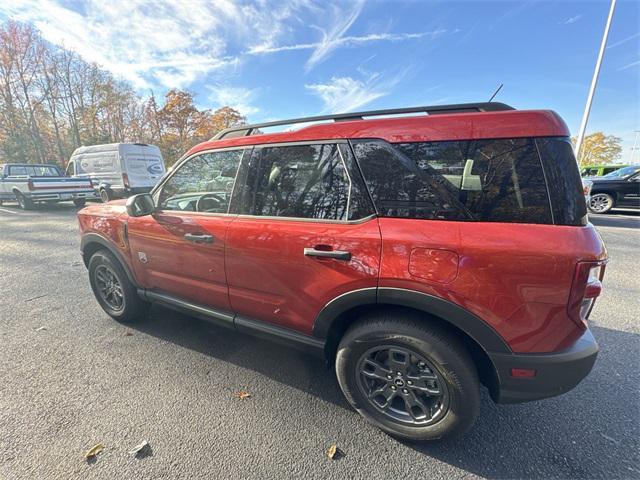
(140, 205)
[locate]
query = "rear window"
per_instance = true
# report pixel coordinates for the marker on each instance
(35, 170)
(472, 180)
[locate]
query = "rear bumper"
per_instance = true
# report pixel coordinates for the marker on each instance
(556, 373)
(61, 197)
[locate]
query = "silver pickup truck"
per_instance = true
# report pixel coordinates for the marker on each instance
(29, 183)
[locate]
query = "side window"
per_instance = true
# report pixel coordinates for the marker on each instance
(17, 170)
(69, 172)
(481, 180)
(302, 181)
(202, 184)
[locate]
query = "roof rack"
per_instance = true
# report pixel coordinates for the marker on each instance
(246, 130)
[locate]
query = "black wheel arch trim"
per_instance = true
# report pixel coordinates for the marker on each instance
(90, 238)
(482, 333)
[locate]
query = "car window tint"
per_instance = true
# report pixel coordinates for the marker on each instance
(202, 184)
(302, 181)
(480, 180)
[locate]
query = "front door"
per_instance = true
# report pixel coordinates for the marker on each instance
(304, 236)
(180, 249)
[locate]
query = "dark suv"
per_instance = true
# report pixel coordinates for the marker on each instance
(421, 255)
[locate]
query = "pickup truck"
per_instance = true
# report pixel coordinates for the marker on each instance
(29, 183)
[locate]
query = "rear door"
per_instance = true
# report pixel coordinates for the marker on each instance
(142, 164)
(180, 249)
(304, 236)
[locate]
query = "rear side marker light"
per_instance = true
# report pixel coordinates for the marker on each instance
(523, 372)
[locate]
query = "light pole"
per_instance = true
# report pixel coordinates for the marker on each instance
(594, 81)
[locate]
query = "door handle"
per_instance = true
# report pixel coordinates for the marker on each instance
(337, 254)
(198, 237)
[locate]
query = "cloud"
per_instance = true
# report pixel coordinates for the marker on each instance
(239, 98)
(345, 94)
(630, 65)
(624, 40)
(350, 41)
(571, 20)
(332, 35)
(160, 43)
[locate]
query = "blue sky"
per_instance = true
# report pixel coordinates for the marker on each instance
(291, 58)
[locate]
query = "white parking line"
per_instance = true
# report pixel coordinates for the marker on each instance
(9, 211)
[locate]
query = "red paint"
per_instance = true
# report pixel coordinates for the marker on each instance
(517, 278)
(434, 264)
(192, 271)
(459, 126)
(270, 278)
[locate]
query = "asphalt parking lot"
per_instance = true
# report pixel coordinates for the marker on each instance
(71, 378)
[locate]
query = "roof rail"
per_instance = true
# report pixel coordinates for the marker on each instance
(246, 130)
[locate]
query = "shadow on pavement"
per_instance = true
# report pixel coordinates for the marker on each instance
(562, 437)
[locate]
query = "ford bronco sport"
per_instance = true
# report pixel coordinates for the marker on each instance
(421, 255)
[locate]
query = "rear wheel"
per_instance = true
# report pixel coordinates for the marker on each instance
(24, 202)
(601, 203)
(105, 196)
(412, 380)
(115, 293)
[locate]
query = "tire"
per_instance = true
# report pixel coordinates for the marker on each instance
(80, 202)
(444, 359)
(24, 202)
(105, 196)
(601, 203)
(103, 264)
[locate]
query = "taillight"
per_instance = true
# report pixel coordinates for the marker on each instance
(586, 287)
(125, 180)
(30, 184)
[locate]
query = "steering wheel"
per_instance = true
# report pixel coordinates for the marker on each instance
(209, 202)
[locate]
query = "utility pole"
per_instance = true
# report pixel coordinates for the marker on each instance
(594, 81)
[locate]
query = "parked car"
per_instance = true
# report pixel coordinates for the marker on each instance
(620, 188)
(29, 183)
(421, 256)
(118, 170)
(590, 171)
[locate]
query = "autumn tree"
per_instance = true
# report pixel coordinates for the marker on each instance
(52, 101)
(599, 148)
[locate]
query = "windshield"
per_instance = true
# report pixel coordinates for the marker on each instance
(623, 172)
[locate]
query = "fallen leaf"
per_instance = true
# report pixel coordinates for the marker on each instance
(141, 450)
(127, 334)
(334, 453)
(242, 395)
(93, 451)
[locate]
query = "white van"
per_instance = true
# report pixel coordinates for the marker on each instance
(118, 170)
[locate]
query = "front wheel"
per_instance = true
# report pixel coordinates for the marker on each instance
(601, 203)
(112, 288)
(410, 379)
(80, 202)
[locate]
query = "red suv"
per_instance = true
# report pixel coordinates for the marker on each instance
(421, 255)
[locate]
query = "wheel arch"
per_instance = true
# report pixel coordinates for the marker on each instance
(92, 242)
(612, 193)
(477, 336)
